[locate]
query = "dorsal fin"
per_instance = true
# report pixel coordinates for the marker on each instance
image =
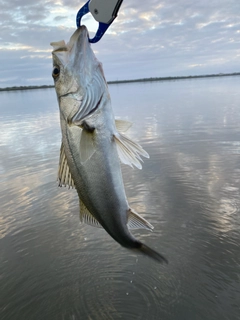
(122, 125)
(135, 221)
(129, 151)
(87, 217)
(64, 174)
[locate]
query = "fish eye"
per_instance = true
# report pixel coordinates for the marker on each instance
(55, 72)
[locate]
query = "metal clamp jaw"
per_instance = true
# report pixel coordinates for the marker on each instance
(103, 11)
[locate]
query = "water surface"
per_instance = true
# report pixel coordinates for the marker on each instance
(52, 267)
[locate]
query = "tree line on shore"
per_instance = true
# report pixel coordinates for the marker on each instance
(131, 80)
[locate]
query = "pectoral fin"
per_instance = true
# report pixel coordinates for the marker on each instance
(64, 174)
(135, 221)
(129, 151)
(87, 217)
(87, 147)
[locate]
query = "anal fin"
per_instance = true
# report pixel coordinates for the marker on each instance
(135, 221)
(64, 174)
(87, 217)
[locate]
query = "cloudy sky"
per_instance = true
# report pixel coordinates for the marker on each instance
(148, 38)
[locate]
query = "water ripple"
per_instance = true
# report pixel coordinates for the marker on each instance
(52, 267)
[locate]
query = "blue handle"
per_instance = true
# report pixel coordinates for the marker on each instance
(102, 27)
(84, 10)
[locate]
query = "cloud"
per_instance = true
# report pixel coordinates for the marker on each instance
(59, 18)
(148, 38)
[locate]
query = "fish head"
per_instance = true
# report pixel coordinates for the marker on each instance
(74, 65)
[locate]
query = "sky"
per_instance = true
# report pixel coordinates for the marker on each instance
(148, 38)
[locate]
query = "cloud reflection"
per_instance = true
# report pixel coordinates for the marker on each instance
(188, 189)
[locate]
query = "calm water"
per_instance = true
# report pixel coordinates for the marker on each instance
(54, 268)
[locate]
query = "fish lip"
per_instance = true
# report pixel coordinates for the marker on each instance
(67, 94)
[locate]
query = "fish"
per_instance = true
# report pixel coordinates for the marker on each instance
(94, 144)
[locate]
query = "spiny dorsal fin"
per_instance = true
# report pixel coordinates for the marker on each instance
(87, 146)
(64, 175)
(87, 217)
(129, 151)
(122, 125)
(135, 221)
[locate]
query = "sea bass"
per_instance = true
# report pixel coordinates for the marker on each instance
(93, 143)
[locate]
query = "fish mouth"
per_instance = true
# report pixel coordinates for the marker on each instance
(77, 41)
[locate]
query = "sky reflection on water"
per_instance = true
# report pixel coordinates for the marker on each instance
(52, 267)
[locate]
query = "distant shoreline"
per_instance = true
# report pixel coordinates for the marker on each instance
(130, 81)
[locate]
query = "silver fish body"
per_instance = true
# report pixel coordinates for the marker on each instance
(92, 145)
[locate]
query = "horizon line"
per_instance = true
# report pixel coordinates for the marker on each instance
(169, 78)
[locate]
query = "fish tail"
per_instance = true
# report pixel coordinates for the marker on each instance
(152, 253)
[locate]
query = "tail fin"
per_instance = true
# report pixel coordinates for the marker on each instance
(152, 253)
